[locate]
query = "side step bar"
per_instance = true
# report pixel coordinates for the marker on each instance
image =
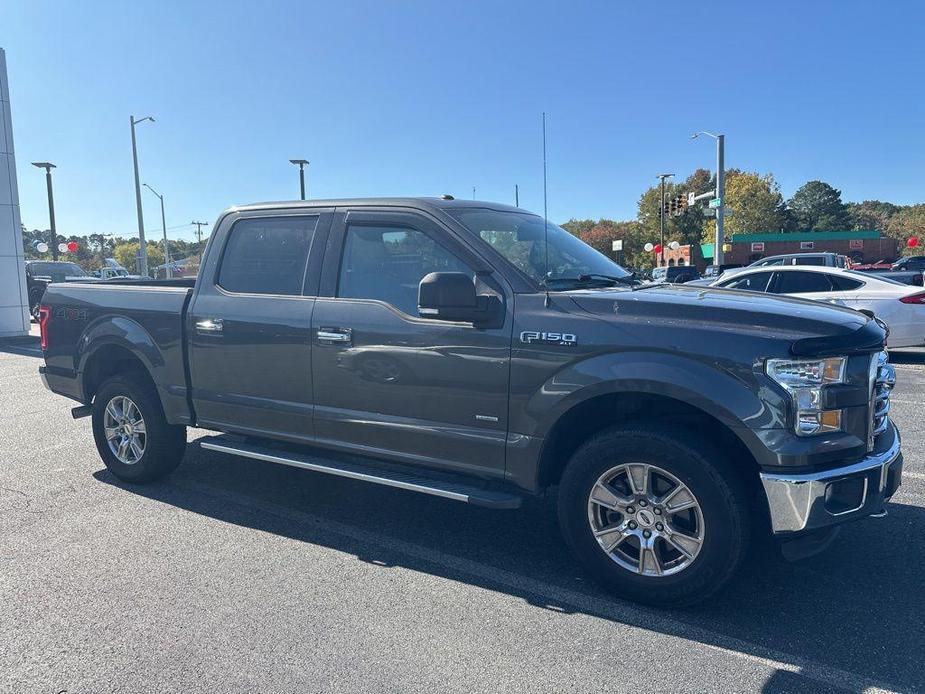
(457, 489)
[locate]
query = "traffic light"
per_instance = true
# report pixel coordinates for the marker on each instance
(682, 204)
(666, 207)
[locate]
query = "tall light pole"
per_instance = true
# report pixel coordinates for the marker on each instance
(48, 166)
(302, 164)
(169, 270)
(142, 246)
(720, 194)
(661, 217)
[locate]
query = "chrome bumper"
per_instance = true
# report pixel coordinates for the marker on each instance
(819, 499)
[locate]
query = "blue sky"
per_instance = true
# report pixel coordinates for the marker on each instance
(424, 98)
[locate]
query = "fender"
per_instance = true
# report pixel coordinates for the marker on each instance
(723, 389)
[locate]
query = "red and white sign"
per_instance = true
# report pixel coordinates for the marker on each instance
(758, 247)
(856, 244)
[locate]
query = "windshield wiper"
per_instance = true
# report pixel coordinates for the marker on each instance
(594, 277)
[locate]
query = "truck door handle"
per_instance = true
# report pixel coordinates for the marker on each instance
(335, 335)
(210, 325)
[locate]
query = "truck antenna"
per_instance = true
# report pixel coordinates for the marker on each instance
(545, 222)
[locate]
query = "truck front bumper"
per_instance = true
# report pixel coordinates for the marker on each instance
(806, 502)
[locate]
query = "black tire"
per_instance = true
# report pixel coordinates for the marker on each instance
(165, 443)
(717, 486)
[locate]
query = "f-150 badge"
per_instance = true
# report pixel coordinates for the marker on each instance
(532, 337)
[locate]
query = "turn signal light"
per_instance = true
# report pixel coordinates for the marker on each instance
(914, 299)
(44, 315)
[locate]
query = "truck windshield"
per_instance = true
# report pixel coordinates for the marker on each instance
(519, 237)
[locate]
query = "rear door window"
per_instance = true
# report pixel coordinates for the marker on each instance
(802, 282)
(267, 255)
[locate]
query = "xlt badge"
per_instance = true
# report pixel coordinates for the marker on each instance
(531, 337)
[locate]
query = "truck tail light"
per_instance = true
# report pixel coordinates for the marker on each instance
(44, 316)
(914, 298)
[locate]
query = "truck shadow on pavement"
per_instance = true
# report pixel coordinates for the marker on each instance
(851, 617)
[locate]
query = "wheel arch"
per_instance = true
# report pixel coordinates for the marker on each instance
(589, 416)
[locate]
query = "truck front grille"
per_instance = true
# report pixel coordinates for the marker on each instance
(883, 379)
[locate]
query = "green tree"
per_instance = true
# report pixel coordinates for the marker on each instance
(578, 226)
(871, 215)
(125, 251)
(817, 206)
(756, 202)
(908, 222)
(602, 235)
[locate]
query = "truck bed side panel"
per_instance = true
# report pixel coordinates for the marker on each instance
(147, 321)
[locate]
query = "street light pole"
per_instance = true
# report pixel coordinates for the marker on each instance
(142, 246)
(48, 166)
(169, 270)
(720, 194)
(302, 164)
(661, 216)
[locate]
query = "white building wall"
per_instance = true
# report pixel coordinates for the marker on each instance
(14, 306)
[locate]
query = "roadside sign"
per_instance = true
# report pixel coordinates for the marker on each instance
(726, 212)
(707, 212)
(758, 247)
(617, 245)
(856, 244)
(691, 199)
(716, 202)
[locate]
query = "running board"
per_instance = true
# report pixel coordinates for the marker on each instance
(458, 489)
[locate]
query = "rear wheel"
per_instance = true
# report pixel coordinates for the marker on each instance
(132, 436)
(661, 519)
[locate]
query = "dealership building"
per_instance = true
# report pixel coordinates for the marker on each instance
(14, 305)
(744, 249)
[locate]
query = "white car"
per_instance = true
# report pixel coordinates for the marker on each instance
(900, 306)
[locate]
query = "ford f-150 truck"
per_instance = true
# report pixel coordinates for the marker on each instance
(472, 351)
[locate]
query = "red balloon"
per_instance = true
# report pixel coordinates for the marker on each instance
(71, 246)
(912, 242)
(657, 249)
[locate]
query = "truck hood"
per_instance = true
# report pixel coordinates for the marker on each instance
(813, 327)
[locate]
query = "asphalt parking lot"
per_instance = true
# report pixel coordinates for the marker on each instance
(235, 575)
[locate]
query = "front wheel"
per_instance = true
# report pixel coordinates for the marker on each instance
(132, 435)
(659, 518)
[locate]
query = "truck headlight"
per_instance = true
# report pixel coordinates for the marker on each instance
(804, 379)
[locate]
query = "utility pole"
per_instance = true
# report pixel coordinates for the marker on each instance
(167, 267)
(516, 195)
(473, 192)
(199, 226)
(302, 164)
(48, 166)
(661, 217)
(142, 246)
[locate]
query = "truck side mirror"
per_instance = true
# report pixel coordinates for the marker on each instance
(451, 296)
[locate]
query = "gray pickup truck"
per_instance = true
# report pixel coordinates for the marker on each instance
(471, 351)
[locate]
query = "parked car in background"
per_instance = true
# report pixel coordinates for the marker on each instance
(913, 277)
(112, 270)
(714, 271)
(820, 259)
(911, 262)
(900, 306)
(675, 274)
(41, 273)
